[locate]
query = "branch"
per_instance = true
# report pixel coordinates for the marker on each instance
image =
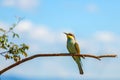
(4, 52)
(51, 55)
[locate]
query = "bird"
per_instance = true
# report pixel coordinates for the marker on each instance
(73, 48)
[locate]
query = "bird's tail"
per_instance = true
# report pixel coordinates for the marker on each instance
(80, 68)
(79, 63)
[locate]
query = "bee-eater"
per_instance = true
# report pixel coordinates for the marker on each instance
(73, 47)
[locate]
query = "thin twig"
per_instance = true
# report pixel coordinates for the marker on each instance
(110, 55)
(51, 55)
(4, 52)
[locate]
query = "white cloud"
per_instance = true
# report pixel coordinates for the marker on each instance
(92, 8)
(8, 2)
(22, 4)
(101, 42)
(88, 46)
(24, 26)
(39, 32)
(105, 36)
(42, 33)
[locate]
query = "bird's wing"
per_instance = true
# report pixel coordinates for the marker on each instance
(77, 48)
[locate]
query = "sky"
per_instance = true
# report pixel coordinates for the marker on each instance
(95, 24)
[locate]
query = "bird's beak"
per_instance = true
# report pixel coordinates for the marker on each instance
(65, 33)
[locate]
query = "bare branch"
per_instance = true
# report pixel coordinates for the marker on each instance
(110, 55)
(51, 55)
(4, 52)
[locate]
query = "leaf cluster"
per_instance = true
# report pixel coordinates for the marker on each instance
(12, 50)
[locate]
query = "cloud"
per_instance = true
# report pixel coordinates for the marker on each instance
(42, 36)
(105, 36)
(92, 8)
(22, 4)
(39, 32)
(88, 46)
(24, 26)
(100, 42)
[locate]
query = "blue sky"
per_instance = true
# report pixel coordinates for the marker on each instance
(95, 24)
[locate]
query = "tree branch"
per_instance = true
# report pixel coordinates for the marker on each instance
(4, 52)
(51, 55)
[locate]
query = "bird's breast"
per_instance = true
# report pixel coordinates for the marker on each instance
(71, 46)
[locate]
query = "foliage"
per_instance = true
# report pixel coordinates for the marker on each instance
(11, 49)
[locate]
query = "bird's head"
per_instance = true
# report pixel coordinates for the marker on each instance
(69, 35)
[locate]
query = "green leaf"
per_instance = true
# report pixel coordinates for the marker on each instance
(15, 59)
(24, 53)
(17, 35)
(3, 47)
(8, 45)
(13, 35)
(2, 30)
(7, 56)
(11, 28)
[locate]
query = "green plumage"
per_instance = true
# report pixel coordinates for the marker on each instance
(73, 47)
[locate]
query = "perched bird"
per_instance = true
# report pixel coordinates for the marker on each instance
(73, 47)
